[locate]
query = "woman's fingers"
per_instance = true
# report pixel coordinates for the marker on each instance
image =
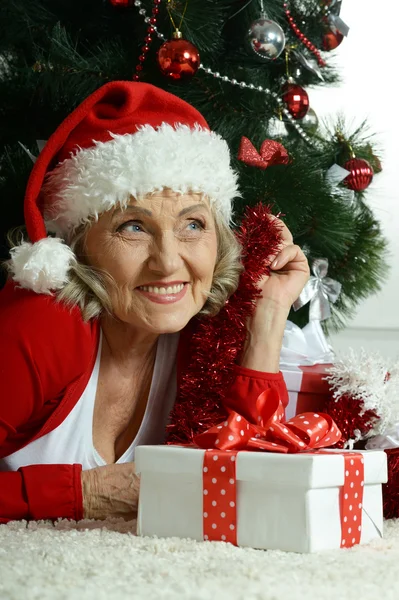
(286, 239)
(286, 235)
(292, 255)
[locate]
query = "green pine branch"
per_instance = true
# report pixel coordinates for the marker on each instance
(53, 54)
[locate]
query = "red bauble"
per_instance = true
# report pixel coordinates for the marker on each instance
(332, 39)
(178, 59)
(121, 2)
(361, 174)
(296, 99)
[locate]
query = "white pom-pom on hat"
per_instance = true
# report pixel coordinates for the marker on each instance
(42, 266)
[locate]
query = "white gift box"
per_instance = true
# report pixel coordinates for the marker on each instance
(289, 502)
(305, 358)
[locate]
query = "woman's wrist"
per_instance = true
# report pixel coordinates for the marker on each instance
(264, 340)
(110, 491)
(88, 487)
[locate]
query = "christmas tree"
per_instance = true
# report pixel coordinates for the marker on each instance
(246, 66)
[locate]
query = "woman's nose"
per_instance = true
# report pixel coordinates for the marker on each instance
(165, 255)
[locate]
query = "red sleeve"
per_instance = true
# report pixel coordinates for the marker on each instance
(43, 348)
(246, 387)
(41, 492)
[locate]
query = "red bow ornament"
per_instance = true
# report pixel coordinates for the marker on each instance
(271, 153)
(271, 433)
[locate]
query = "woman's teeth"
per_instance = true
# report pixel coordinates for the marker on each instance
(174, 289)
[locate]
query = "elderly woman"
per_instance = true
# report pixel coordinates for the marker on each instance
(138, 191)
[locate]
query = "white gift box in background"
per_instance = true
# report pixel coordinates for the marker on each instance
(287, 502)
(304, 359)
(308, 391)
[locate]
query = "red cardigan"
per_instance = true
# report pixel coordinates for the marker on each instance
(47, 354)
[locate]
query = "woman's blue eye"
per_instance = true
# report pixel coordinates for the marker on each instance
(132, 226)
(137, 227)
(195, 225)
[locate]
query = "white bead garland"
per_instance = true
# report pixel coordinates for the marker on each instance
(143, 12)
(241, 84)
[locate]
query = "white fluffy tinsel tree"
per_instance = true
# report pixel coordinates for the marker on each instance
(373, 382)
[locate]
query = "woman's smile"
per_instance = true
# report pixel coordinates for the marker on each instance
(164, 294)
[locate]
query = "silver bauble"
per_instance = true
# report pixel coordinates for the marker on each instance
(266, 38)
(309, 123)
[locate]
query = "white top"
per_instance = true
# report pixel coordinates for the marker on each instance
(72, 441)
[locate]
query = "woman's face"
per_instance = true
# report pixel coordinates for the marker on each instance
(161, 252)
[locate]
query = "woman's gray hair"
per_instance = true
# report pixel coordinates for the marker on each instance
(88, 286)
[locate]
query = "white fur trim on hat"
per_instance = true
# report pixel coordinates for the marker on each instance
(42, 266)
(98, 178)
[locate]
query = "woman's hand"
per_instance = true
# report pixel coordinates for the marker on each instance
(289, 272)
(111, 491)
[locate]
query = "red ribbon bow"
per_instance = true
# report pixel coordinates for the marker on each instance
(271, 433)
(271, 153)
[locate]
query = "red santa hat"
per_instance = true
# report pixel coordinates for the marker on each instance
(126, 139)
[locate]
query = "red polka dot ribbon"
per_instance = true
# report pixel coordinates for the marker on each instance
(351, 497)
(270, 432)
(352, 500)
(220, 497)
(219, 489)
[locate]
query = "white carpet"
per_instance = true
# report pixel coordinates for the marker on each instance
(91, 561)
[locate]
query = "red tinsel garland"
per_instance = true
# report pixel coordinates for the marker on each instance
(390, 490)
(348, 415)
(218, 341)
